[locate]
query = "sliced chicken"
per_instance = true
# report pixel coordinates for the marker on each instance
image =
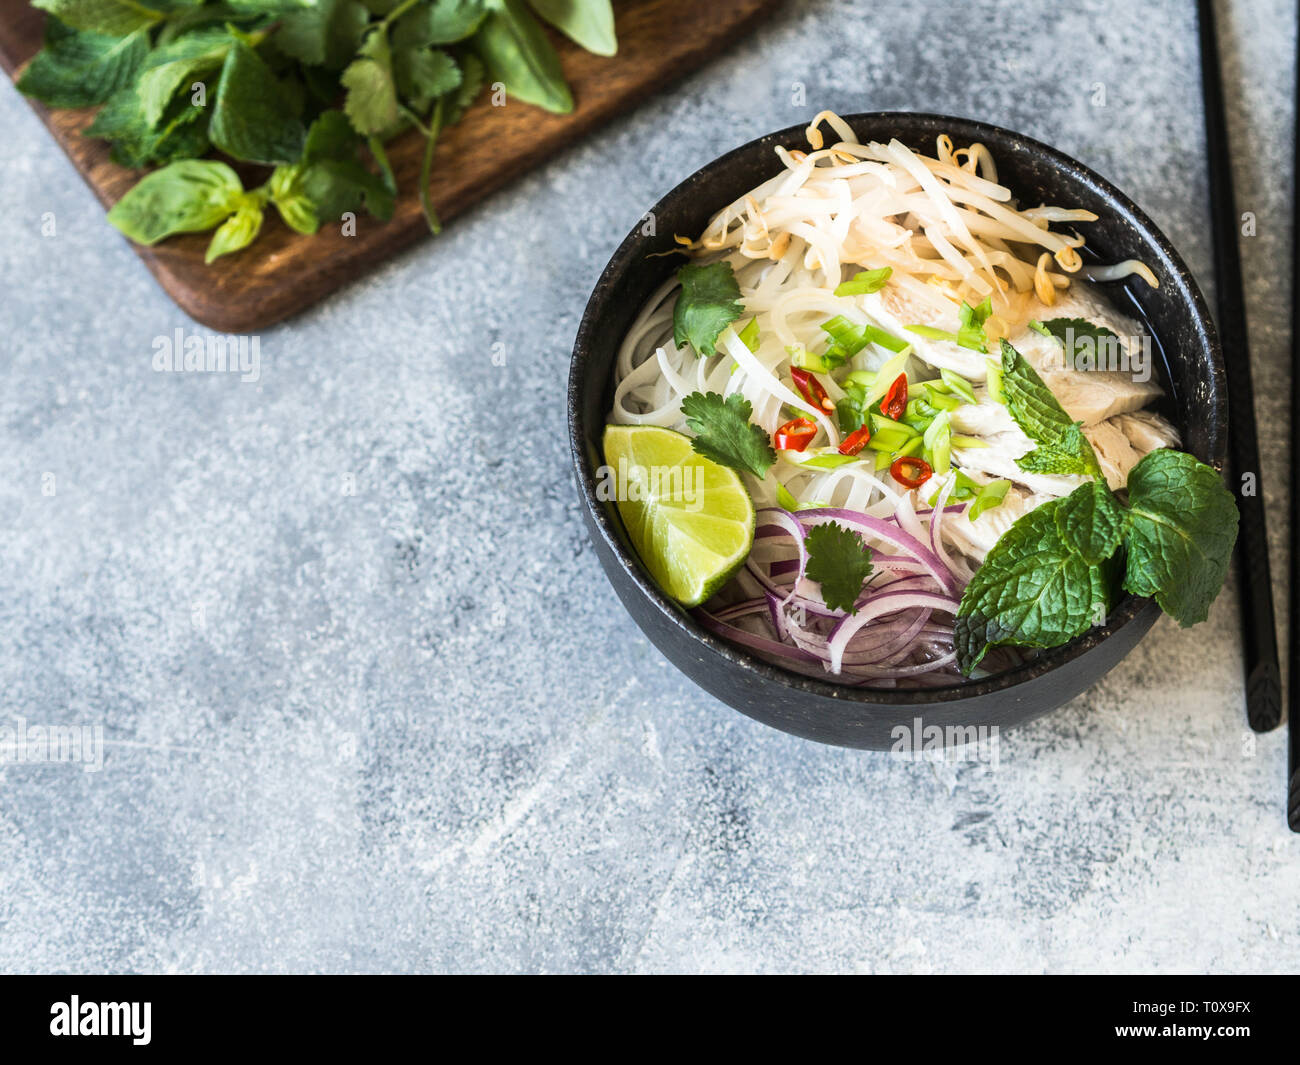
(1092, 396)
(1114, 452)
(896, 306)
(1147, 431)
(978, 537)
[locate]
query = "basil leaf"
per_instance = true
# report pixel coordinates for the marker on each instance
(251, 119)
(186, 197)
(441, 22)
(1182, 525)
(516, 52)
(237, 231)
(589, 23)
(80, 69)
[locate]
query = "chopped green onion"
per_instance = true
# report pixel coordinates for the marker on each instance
(994, 367)
(749, 335)
(968, 442)
(958, 384)
(863, 283)
(910, 448)
(931, 333)
(883, 460)
(853, 338)
(784, 497)
(807, 360)
(827, 459)
(880, 421)
(889, 440)
(963, 487)
(865, 378)
(1038, 327)
(991, 495)
(938, 444)
(939, 400)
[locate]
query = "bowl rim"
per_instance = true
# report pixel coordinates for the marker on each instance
(1131, 610)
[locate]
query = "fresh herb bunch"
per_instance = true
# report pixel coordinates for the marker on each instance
(1058, 570)
(312, 88)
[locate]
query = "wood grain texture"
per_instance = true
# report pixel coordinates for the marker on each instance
(284, 272)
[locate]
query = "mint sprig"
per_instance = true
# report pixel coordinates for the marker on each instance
(1062, 447)
(1054, 573)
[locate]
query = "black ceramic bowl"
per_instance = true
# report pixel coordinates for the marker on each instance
(1175, 313)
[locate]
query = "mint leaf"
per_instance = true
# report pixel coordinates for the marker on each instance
(1062, 447)
(177, 66)
(326, 34)
(517, 53)
(182, 133)
(80, 69)
(1067, 330)
(116, 18)
(251, 119)
(708, 303)
(1091, 522)
(371, 103)
(1182, 525)
(589, 23)
(724, 434)
(840, 562)
(186, 197)
(1033, 590)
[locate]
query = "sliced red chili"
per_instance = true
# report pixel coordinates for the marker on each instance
(911, 471)
(855, 441)
(795, 435)
(812, 389)
(895, 402)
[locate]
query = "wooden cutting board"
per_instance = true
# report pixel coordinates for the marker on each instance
(283, 272)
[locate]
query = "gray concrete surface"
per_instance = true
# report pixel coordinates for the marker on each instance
(368, 702)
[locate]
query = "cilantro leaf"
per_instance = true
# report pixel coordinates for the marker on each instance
(1033, 590)
(251, 119)
(80, 69)
(1091, 522)
(1182, 525)
(423, 74)
(840, 562)
(1062, 447)
(371, 103)
(724, 434)
(708, 303)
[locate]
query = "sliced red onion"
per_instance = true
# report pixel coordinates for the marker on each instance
(886, 602)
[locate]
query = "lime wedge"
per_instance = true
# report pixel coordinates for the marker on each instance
(690, 520)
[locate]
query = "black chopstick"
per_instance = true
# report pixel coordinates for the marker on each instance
(1258, 625)
(1293, 646)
